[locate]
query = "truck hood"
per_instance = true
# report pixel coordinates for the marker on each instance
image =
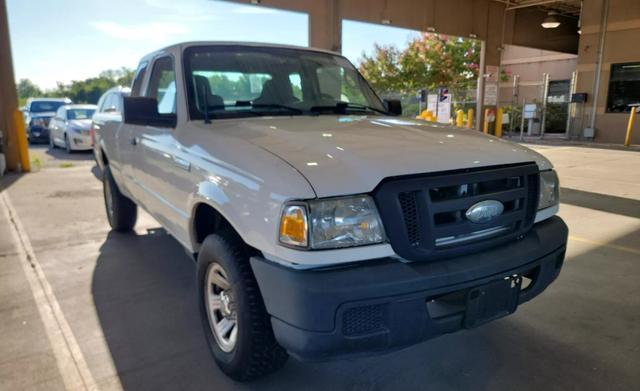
(44, 114)
(351, 154)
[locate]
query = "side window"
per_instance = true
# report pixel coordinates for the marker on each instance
(296, 85)
(162, 85)
(109, 105)
(118, 102)
(136, 88)
(101, 104)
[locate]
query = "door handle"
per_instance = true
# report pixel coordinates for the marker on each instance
(181, 163)
(134, 141)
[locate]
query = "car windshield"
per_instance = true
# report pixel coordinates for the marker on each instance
(45, 106)
(80, 113)
(240, 81)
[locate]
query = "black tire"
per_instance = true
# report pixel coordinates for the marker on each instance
(122, 213)
(67, 144)
(256, 352)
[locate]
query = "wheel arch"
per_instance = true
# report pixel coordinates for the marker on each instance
(205, 220)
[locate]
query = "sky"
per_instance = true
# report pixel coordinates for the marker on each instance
(62, 40)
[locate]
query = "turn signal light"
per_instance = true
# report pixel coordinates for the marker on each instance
(294, 226)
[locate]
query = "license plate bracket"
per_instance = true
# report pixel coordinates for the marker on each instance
(492, 301)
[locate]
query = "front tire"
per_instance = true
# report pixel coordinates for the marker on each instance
(234, 318)
(122, 213)
(67, 143)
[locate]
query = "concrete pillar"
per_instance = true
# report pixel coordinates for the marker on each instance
(8, 94)
(325, 25)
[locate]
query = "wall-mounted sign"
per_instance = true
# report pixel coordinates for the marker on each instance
(444, 106)
(530, 111)
(491, 94)
(432, 103)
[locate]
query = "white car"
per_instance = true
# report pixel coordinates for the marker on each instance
(107, 118)
(323, 225)
(70, 128)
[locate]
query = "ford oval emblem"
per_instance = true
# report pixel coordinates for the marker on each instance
(484, 211)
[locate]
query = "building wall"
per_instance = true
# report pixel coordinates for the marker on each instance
(530, 64)
(622, 44)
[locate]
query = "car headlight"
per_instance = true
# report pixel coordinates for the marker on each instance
(549, 189)
(331, 223)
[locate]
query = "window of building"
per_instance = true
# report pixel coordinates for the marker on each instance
(624, 87)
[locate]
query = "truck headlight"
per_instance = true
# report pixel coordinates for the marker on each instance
(40, 122)
(549, 189)
(332, 223)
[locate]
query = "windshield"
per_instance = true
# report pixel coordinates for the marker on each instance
(80, 113)
(45, 106)
(239, 81)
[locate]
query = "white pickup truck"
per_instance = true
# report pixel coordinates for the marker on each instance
(322, 223)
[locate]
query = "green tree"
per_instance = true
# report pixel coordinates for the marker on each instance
(429, 61)
(27, 89)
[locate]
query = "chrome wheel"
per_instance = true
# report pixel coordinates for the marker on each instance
(221, 311)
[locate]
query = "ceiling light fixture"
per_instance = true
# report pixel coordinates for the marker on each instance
(551, 21)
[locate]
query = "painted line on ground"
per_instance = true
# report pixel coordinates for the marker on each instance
(71, 363)
(604, 244)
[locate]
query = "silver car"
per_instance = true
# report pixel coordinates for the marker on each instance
(70, 128)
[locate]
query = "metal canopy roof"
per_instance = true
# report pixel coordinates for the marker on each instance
(569, 8)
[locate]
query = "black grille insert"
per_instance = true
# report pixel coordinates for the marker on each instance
(363, 320)
(424, 216)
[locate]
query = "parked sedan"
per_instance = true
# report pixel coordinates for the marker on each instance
(70, 127)
(107, 119)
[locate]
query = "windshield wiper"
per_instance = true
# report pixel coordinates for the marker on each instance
(342, 107)
(277, 106)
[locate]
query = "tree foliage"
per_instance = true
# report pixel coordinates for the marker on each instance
(79, 91)
(429, 61)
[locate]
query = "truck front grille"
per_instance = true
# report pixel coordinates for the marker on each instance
(424, 216)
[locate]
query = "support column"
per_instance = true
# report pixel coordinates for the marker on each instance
(325, 25)
(8, 94)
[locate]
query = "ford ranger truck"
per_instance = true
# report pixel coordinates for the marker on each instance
(322, 223)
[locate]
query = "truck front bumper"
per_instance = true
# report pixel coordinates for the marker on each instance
(380, 305)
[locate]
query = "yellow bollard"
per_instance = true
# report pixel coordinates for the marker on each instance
(470, 118)
(459, 118)
(485, 128)
(632, 117)
(21, 138)
(498, 132)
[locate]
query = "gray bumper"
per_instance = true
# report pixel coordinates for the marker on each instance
(381, 305)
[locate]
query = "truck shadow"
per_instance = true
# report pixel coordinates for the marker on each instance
(144, 294)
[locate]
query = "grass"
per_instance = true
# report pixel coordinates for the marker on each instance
(66, 165)
(36, 163)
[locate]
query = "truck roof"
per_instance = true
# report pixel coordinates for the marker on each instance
(179, 47)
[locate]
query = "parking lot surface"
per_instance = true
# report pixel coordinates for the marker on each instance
(84, 308)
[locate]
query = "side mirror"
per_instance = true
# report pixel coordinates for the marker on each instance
(394, 107)
(142, 110)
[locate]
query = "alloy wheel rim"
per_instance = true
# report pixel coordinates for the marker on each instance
(221, 309)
